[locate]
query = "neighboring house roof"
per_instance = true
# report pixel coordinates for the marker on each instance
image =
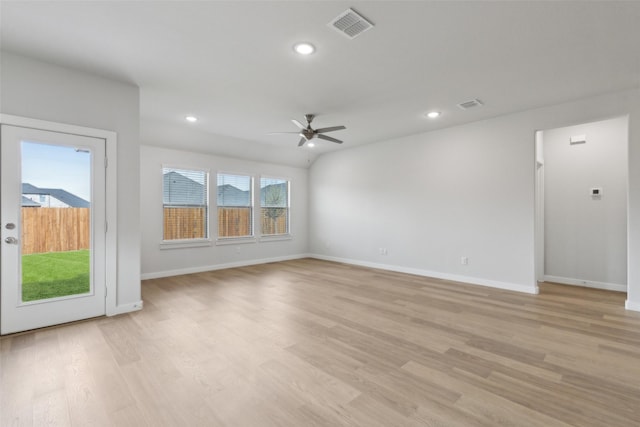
(29, 189)
(178, 190)
(228, 195)
(64, 196)
(28, 203)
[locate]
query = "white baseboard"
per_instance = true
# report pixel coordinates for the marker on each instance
(586, 283)
(125, 308)
(437, 275)
(201, 269)
(632, 305)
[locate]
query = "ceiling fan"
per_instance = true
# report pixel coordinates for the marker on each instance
(307, 133)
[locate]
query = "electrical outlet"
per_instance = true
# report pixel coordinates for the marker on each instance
(237, 249)
(383, 251)
(464, 260)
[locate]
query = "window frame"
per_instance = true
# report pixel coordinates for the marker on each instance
(281, 236)
(230, 240)
(189, 242)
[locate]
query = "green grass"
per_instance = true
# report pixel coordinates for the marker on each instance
(55, 274)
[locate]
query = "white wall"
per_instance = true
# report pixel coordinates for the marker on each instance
(430, 200)
(465, 191)
(586, 237)
(48, 92)
(157, 262)
(171, 135)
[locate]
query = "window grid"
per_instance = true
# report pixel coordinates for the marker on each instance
(185, 204)
(274, 206)
(235, 206)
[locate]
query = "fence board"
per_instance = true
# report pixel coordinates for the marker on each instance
(184, 223)
(234, 222)
(274, 221)
(55, 229)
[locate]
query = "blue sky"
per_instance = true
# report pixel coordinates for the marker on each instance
(55, 166)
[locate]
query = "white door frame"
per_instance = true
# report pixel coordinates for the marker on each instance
(539, 217)
(539, 208)
(111, 242)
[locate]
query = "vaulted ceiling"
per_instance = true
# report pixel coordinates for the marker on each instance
(231, 63)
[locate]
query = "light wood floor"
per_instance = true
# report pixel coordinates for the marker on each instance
(308, 342)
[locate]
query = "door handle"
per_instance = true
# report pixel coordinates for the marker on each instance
(11, 240)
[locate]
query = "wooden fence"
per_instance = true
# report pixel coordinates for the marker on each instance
(67, 229)
(184, 223)
(234, 222)
(188, 223)
(55, 229)
(275, 220)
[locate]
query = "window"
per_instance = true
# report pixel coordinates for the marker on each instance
(274, 206)
(185, 202)
(235, 205)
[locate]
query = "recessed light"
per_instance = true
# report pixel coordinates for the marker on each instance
(311, 145)
(191, 119)
(304, 48)
(433, 114)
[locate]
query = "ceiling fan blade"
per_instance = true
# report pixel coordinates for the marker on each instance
(297, 123)
(328, 138)
(330, 129)
(282, 133)
(302, 141)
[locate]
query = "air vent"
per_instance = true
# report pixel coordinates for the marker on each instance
(350, 24)
(470, 104)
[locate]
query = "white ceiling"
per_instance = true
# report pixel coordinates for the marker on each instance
(232, 64)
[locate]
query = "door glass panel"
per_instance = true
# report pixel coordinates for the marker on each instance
(56, 221)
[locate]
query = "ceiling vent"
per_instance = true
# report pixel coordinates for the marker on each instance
(350, 24)
(467, 105)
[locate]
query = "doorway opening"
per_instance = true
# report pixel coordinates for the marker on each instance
(581, 204)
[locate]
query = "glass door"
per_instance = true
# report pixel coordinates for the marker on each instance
(53, 228)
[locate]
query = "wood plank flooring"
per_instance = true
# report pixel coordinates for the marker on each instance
(314, 343)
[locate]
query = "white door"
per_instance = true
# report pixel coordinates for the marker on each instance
(52, 212)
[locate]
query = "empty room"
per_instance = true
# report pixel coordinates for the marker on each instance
(319, 213)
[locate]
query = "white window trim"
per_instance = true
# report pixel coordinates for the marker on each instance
(186, 243)
(276, 237)
(221, 241)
